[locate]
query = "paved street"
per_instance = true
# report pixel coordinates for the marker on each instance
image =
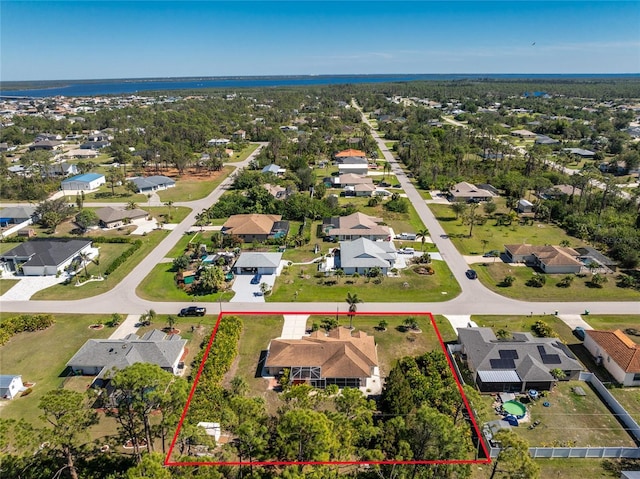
(474, 299)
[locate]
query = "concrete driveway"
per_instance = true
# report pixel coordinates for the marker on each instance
(245, 291)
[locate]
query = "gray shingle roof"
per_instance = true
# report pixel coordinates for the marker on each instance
(154, 347)
(258, 260)
(532, 358)
(152, 182)
(17, 212)
(364, 253)
(46, 252)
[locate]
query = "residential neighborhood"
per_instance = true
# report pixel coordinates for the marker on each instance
(470, 269)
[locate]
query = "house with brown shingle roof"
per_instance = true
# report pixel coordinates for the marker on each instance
(113, 217)
(320, 360)
(550, 259)
(617, 352)
(354, 226)
(254, 227)
(469, 193)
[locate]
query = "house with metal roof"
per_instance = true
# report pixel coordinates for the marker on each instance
(84, 182)
(275, 169)
(44, 257)
(516, 364)
(152, 183)
(257, 263)
(102, 357)
(362, 255)
(617, 352)
(581, 152)
(339, 357)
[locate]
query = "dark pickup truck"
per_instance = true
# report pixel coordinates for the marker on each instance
(193, 311)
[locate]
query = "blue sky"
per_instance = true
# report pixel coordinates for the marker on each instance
(42, 40)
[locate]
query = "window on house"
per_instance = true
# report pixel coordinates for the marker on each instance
(636, 377)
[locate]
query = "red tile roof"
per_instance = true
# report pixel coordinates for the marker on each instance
(622, 349)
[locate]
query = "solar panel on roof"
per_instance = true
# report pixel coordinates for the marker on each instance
(502, 363)
(508, 354)
(551, 359)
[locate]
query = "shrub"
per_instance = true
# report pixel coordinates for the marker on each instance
(135, 246)
(537, 281)
(543, 330)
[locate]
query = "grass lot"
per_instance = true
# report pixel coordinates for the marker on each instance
(190, 189)
(523, 324)
(244, 153)
(103, 195)
(630, 400)
(7, 284)
(497, 236)
(41, 357)
(70, 292)
(177, 213)
(613, 322)
(555, 468)
(491, 274)
(583, 421)
(159, 285)
(438, 287)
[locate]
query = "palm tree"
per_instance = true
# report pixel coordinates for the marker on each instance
(169, 204)
(422, 234)
(132, 205)
(352, 300)
(171, 321)
(387, 169)
(85, 258)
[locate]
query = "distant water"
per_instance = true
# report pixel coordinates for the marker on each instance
(131, 86)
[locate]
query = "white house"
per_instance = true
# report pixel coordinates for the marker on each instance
(44, 257)
(85, 182)
(261, 263)
(618, 353)
(10, 386)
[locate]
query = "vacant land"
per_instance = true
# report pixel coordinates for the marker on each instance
(298, 283)
(555, 468)
(497, 236)
(630, 400)
(493, 273)
(195, 187)
(41, 357)
(571, 420)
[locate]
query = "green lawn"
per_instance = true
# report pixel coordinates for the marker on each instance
(613, 322)
(492, 273)
(104, 195)
(6, 246)
(162, 213)
(409, 287)
(41, 357)
(555, 468)
(244, 153)
(159, 285)
(630, 400)
(70, 291)
(583, 420)
(7, 284)
(497, 236)
(515, 324)
(195, 189)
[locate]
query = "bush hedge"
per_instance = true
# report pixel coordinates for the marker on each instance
(22, 323)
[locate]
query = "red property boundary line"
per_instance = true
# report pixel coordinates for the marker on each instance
(476, 429)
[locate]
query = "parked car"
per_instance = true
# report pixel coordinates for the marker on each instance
(193, 311)
(406, 250)
(256, 279)
(579, 332)
(258, 293)
(471, 274)
(492, 254)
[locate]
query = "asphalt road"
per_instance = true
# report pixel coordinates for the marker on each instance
(474, 299)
